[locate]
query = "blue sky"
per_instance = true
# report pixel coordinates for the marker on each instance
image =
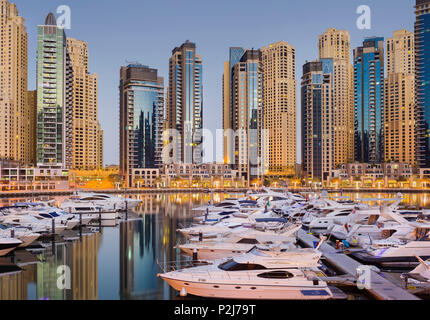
(147, 31)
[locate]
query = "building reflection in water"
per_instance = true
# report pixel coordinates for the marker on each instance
(15, 286)
(81, 257)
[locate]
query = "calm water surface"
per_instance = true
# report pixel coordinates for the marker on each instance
(118, 262)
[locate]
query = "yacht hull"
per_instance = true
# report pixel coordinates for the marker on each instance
(247, 292)
(28, 239)
(7, 248)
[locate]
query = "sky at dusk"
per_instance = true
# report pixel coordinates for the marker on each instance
(146, 31)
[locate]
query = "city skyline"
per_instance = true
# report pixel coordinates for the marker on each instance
(155, 48)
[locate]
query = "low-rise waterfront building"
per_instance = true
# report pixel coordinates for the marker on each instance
(209, 175)
(16, 177)
(366, 175)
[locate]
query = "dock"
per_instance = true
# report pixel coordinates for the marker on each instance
(380, 288)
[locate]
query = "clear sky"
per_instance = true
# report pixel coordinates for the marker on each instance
(147, 31)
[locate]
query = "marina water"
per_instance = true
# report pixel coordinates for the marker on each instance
(119, 262)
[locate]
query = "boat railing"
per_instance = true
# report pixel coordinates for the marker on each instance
(169, 266)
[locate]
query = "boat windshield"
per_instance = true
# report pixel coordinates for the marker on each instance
(3, 227)
(224, 204)
(54, 214)
(232, 265)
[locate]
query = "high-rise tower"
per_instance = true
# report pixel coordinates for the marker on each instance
(369, 101)
(185, 105)
(54, 97)
(15, 139)
(422, 84)
(280, 110)
(141, 119)
(87, 133)
(399, 104)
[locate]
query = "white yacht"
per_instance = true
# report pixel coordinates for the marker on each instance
(420, 276)
(26, 236)
(32, 223)
(88, 210)
(258, 274)
(108, 202)
(7, 245)
(324, 219)
(397, 252)
(234, 244)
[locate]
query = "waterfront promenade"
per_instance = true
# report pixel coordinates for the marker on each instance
(68, 192)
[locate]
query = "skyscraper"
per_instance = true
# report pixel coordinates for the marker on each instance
(15, 143)
(317, 114)
(235, 55)
(369, 101)
(87, 133)
(54, 97)
(246, 140)
(336, 135)
(32, 107)
(141, 119)
(335, 44)
(280, 110)
(399, 106)
(185, 105)
(422, 84)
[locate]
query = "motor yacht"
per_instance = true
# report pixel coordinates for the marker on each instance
(26, 236)
(259, 274)
(420, 276)
(32, 223)
(237, 243)
(108, 202)
(88, 210)
(396, 252)
(324, 219)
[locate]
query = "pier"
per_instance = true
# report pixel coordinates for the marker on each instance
(381, 288)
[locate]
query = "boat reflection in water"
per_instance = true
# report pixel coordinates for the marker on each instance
(119, 262)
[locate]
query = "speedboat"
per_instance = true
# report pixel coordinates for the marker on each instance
(7, 245)
(259, 274)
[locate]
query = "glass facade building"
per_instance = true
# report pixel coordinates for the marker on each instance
(422, 85)
(369, 101)
(185, 102)
(54, 97)
(141, 119)
(317, 142)
(246, 115)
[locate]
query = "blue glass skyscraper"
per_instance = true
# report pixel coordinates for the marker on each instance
(422, 85)
(369, 101)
